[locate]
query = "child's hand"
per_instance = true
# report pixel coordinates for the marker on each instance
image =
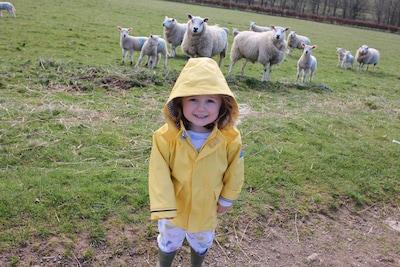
(222, 209)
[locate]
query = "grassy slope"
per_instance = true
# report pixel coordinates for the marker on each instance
(74, 149)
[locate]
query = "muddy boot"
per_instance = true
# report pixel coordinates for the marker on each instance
(196, 260)
(165, 259)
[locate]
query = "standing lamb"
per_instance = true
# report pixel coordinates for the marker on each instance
(265, 48)
(129, 43)
(203, 40)
(256, 28)
(8, 7)
(153, 47)
(173, 33)
(348, 59)
(306, 63)
(367, 55)
(340, 52)
(294, 41)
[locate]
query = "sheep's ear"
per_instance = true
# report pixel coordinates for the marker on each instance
(119, 27)
(314, 47)
(287, 29)
(206, 19)
(189, 16)
(129, 29)
(303, 44)
(272, 26)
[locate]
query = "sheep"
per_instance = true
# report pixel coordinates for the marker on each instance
(348, 59)
(340, 51)
(153, 47)
(306, 63)
(203, 40)
(129, 43)
(173, 33)
(265, 48)
(294, 41)
(256, 28)
(235, 32)
(367, 55)
(8, 7)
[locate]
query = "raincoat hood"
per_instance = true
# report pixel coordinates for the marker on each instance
(200, 76)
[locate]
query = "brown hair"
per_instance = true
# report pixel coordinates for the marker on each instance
(226, 118)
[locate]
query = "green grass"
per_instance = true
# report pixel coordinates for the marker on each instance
(76, 125)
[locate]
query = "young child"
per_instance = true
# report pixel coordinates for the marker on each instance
(196, 167)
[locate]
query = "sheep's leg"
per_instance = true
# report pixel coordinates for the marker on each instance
(312, 75)
(139, 60)
(131, 57)
(360, 67)
(123, 56)
(265, 72)
(305, 76)
(157, 60)
(165, 61)
(231, 68)
(173, 51)
(243, 67)
(298, 75)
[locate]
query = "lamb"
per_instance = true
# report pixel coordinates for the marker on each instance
(265, 48)
(129, 43)
(294, 41)
(203, 40)
(256, 28)
(173, 33)
(340, 52)
(8, 7)
(306, 63)
(367, 55)
(153, 47)
(348, 59)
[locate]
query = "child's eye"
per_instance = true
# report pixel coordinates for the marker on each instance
(212, 101)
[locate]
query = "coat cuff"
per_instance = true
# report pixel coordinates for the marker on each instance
(163, 214)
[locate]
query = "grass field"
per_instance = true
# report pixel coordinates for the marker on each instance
(76, 124)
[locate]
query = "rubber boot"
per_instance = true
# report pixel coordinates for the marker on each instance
(165, 259)
(196, 260)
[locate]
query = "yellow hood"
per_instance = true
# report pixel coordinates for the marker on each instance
(200, 76)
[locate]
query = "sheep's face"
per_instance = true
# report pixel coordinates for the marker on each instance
(252, 25)
(308, 48)
(363, 49)
(196, 24)
(292, 34)
(154, 39)
(279, 32)
(168, 22)
(124, 32)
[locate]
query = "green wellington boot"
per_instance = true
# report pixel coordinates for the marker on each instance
(165, 259)
(196, 260)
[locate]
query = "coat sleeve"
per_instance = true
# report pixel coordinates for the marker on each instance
(161, 188)
(234, 175)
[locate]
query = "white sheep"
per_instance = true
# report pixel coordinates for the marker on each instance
(265, 48)
(129, 43)
(294, 41)
(173, 33)
(256, 28)
(367, 55)
(235, 32)
(348, 59)
(307, 63)
(203, 40)
(153, 47)
(8, 7)
(340, 51)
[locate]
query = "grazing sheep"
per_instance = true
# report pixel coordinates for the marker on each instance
(367, 55)
(348, 59)
(129, 43)
(8, 7)
(306, 63)
(255, 28)
(235, 32)
(265, 48)
(340, 52)
(203, 40)
(173, 33)
(153, 47)
(294, 41)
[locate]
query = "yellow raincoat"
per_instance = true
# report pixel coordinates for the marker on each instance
(185, 184)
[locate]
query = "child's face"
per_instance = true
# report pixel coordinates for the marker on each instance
(201, 110)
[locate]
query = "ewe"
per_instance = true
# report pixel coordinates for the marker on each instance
(307, 63)
(294, 41)
(202, 40)
(8, 7)
(129, 43)
(173, 33)
(256, 28)
(263, 47)
(367, 55)
(153, 47)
